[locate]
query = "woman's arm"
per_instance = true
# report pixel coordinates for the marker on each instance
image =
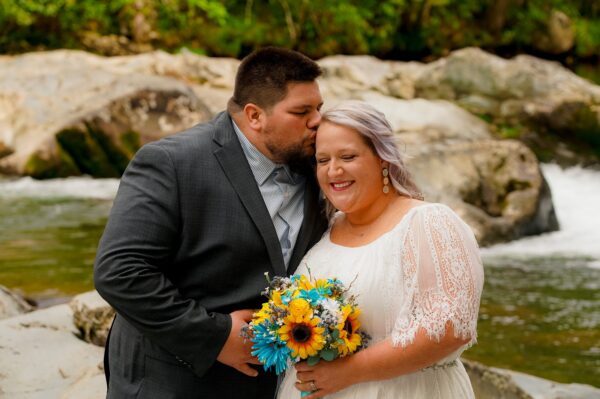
(378, 362)
(441, 282)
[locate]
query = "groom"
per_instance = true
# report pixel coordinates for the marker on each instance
(198, 219)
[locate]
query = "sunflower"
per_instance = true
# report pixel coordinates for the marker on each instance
(349, 339)
(302, 335)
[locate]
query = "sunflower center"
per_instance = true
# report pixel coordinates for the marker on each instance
(348, 326)
(301, 333)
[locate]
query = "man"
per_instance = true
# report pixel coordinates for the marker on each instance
(199, 218)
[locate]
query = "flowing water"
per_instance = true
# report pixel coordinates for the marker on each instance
(49, 232)
(540, 310)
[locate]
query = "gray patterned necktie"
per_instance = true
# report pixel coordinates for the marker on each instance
(284, 211)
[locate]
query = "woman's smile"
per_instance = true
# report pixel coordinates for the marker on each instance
(341, 186)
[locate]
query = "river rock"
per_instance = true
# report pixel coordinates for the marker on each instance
(496, 186)
(559, 36)
(92, 316)
(86, 114)
(552, 110)
(345, 75)
(529, 96)
(70, 113)
(495, 383)
(41, 357)
(5, 150)
(12, 304)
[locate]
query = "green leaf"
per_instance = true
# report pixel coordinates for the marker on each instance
(329, 354)
(313, 360)
(335, 335)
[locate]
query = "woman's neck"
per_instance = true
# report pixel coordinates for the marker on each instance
(371, 213)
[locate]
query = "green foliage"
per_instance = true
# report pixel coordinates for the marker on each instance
(510, 131)
(388, 28)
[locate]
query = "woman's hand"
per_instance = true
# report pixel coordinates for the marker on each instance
(326, 377)
(380, 361)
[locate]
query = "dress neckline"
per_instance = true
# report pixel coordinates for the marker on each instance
(396, 227)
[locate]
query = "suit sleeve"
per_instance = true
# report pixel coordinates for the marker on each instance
(138, 244)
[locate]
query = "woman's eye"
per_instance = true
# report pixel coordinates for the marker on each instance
(322, 160)
(348, 157)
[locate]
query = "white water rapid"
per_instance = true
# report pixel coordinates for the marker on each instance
(576, 197)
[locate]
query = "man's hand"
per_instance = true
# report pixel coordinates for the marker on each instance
(236, 352)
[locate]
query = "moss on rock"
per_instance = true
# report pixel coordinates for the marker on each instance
(118, 156)
(39, 166)
(87, 153)
(131, 142)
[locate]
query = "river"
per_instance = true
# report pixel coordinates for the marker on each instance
(540, 311)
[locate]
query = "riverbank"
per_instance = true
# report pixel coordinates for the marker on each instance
(540, 310)
(67, 367)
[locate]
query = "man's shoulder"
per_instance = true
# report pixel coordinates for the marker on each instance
(196, 138)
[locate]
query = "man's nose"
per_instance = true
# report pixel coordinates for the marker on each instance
(314, 120)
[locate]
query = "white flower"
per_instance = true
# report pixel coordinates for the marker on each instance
(331, 305)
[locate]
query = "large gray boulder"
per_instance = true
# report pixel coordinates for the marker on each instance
(41, 358)
(538, 101)
(495, 383)
(68, 112)
(86, 114)
(496, 186)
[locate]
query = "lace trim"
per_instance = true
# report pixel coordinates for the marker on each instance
(442, 366)
(448, 293)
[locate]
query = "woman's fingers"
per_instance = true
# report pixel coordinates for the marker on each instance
(309, 386)
(305, 376)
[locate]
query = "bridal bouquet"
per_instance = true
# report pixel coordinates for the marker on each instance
(305, 319)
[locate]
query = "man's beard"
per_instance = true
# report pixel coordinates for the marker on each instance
(296, 157)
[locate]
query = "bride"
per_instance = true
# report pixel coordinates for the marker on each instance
(415, 267)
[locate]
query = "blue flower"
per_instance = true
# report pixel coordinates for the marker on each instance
(269, 349)
(315, 295)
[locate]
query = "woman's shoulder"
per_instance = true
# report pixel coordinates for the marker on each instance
(429, 208)
(431, 214)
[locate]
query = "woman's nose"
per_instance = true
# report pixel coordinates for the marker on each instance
(334, 169)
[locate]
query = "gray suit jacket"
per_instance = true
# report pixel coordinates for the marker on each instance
(188, 240)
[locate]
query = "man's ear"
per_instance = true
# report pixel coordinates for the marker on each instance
(255, 116)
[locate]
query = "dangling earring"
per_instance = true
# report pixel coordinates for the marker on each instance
(386, 180)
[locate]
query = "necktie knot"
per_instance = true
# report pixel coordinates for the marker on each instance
(281, 176)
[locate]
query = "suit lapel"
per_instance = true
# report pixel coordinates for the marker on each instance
(231, 157)
(310, 222)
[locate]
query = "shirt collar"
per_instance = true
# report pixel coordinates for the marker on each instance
(261, 166)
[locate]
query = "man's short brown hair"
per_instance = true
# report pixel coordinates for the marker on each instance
(263, 76)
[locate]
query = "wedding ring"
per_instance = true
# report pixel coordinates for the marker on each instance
(313, 387)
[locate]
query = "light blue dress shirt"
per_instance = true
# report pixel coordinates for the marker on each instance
(283, 193)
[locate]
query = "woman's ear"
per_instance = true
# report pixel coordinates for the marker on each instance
(254, 116)
(384, 164)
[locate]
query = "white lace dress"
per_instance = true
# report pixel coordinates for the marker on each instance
(424, 272)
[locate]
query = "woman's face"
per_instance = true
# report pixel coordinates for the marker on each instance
(348, 171)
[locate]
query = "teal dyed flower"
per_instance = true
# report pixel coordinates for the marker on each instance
(269, 349)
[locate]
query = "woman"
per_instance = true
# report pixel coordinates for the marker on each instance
(415, 267)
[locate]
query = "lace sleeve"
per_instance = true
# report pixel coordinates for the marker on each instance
(441, 276)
